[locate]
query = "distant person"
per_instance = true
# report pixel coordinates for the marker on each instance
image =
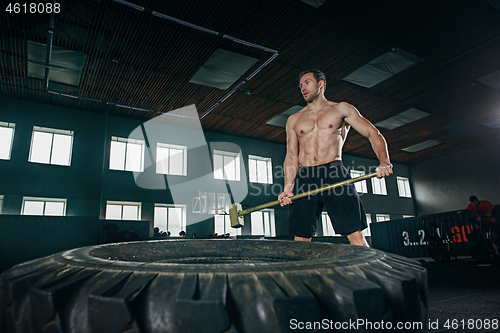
(485, 212)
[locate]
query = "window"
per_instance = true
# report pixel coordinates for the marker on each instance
(51, 146)
(123, 210)
(404, 187)
(378, 186)
(222, 226)
(327, 225)
(367, 231)
(171, 159)
(6, 139)
(170, 217)
(382, 217)
(1, 203)
(262, 223)
(260, 169)
(126, 154)
(226, 165)
(360, 186)
(43, 206)
(408, 216)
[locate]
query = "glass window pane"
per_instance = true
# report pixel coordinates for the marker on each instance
(262, 171)
(162, 160)
(175, 220)
(267, 224)
(327, 225)
(133, 160)
(33, 208)
(61, 149)
(114, 212)
(367, 231)
(382, 217)
(219, 222)
(40, 147)
(6, 136)
(176, 162)
(54, 208)
(117, 156)
(379, 186)
(257, 223)
(269, 165)
(218, 166)
(252, 170)
(130, 212)
(230, 167)
(161, 218)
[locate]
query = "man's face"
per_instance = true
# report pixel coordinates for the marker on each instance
(309, 87)
(475, 202)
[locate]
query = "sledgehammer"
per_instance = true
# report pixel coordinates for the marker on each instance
(236, 213)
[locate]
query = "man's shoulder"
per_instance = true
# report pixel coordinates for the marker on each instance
(297, 115)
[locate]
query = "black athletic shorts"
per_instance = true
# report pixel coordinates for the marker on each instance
(342, 204)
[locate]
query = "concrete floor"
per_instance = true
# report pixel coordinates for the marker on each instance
(463, 294)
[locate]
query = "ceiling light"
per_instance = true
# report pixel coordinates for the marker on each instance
(382, 68)
(66, 66)
(280, 120)
(493, 124)
(314, 3)
(223, 69)
(492, 80)
(422, 146)
(401, 119)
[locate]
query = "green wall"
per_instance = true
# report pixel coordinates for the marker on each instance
(88, 183)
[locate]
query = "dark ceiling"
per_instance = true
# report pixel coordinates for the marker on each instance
(143, 59)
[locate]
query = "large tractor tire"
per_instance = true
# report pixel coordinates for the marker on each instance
(218, 285)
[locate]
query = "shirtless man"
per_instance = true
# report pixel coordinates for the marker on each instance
(315, 137)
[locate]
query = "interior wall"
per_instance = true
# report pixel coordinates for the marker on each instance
(445, 183)
(88, 183)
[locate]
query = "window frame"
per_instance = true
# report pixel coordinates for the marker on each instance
(404, 189)
(183, 224)
(53, 132)
(361, 186)
(226, 224)
(367, 232)
(122, 204)
(272, 223)
(11, 126)
(44, 201)
(127, 142)
(382, 187)
(268, 165)
(224, 154)
(386, 217)
(169, 147)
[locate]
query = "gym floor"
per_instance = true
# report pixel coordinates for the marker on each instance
(464, 296)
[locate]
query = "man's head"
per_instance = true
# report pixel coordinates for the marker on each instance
(474, 200)
(312, 84)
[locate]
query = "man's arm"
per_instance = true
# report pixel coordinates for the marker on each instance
(366, 129)
(291, 164)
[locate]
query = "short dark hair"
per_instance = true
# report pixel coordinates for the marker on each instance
(318, 75)
(473, 198)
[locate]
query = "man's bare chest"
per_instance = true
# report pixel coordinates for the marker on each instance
(325, 122)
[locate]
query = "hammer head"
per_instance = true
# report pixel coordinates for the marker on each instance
(236, 220)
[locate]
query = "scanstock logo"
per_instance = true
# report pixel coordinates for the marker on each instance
(182, 127)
